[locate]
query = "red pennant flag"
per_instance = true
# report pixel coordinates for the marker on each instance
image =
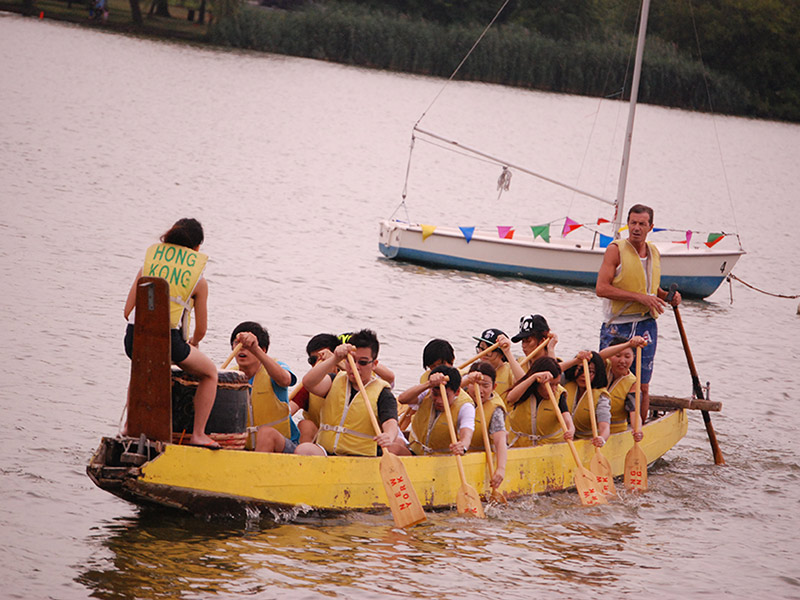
(601, 220)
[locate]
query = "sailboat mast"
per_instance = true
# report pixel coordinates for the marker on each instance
(626, 152)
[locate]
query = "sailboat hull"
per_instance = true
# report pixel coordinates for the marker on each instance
(698, 272)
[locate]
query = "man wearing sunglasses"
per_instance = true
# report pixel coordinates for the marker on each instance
(345, 426)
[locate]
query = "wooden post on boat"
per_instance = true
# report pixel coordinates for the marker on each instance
(150, 389)
(697, 387)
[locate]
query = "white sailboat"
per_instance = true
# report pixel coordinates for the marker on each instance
(698, 271)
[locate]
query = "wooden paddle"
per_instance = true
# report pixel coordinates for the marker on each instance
(599, 464)
(585, 481)
(635, 460)
(403, 501)
(467, 499)
(528, 358)
(233, 353)
(480, 354)
(497, 496)
(698, 389)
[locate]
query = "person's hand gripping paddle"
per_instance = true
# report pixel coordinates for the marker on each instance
(467, 499)
(403, 500)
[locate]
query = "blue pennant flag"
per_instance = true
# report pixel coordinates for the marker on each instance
(467, 231)
(605, 240)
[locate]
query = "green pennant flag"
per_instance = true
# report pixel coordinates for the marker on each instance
(542, 231)
(713, 238)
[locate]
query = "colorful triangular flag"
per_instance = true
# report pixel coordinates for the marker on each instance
(505, 232)
(688, 237)
(542, 231)
(468, 232)
(427, 231)
(713, 238)
(601, 220)
(655, 229)
(605, 240)
(569, 226)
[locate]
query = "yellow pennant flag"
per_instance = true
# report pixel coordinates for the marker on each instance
(427, 230)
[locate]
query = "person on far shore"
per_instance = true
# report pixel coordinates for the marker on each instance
(178, 260)
(629, 280)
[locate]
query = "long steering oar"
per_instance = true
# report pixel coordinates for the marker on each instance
(635, 459)
(497, 496)
(528, 358)
(480, 354)
(599, 464)
(467, 499)
(403, 500)
(233, 353)
(585, 482)
(698, 389)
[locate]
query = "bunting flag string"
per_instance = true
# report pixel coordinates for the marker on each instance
(569, 226)
(713, 238)
(468, 233)
(505, 232)
(427, 231)
(542, 231)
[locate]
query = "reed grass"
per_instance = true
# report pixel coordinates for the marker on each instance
(509, 54)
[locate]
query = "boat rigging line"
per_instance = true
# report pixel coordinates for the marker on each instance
(732, 277)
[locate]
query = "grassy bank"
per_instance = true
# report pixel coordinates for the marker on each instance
(509, 54)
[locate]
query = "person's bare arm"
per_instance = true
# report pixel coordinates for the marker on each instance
(130, 301)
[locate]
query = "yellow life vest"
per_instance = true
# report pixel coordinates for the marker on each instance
(267, 409)
(579, 407)
(345, 426)
(434, 439)
(314, 407)
(489, 407)
(528, 428)
(182, 267)
(632, 278)
(504, 380)
(618, 391)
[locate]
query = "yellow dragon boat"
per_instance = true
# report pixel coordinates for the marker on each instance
(232, 482)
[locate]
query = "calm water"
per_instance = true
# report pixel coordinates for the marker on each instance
(106, 140)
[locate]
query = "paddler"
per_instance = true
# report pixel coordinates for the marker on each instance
(621, 382)
(345, 427)
(533, 330)
(578, 399)
(532, 419)
(178, 260)
(430, 432)
(630, 282)
(271, 413)
(508, 370)
(494, 409)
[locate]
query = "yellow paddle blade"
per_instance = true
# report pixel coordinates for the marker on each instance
(498, 497)
(406, 507)
(588, 490)
(469, 502)
(601, 468)
(636, 469)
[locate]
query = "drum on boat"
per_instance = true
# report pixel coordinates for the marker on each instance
(227, 423)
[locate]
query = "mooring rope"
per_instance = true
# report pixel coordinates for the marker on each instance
(752, 287)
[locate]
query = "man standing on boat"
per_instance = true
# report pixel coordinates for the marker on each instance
(629, 280)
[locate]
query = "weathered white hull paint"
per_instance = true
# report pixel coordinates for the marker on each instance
(698, 272)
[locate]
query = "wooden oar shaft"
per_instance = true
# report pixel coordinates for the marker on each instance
(449, 416)
(698, 390)
(563, 425)
(233, 353)
(480, 354)
(484, 427)
(637, 426)
(588, 381)
(535, 351)
(363, 391)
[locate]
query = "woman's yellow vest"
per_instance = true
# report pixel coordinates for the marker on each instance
(579, 407)
(267, 409)
(631, 277)
(182, 267)
(314, 407)
(345, 426)
(489, 407)
(427, 439)
(504, 381)
(528, 428)
(618, 391)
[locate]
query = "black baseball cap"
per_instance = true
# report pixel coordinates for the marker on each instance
(530, 324)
